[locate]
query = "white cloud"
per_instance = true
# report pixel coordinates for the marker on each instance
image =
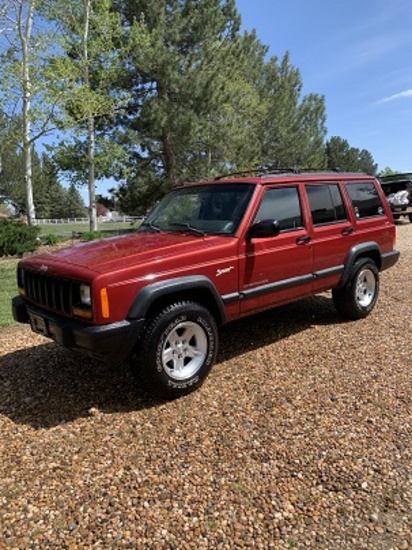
(400, 95)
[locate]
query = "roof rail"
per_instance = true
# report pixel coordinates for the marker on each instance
(270, 169)
(261, 170)
(320, 170)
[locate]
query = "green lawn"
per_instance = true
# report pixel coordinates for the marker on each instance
(66, 229)
(8, 289)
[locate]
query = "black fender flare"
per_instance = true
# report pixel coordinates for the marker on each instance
(161, 289)
(368, 249)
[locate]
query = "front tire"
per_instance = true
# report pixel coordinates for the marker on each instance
(178, 349)
(356, 299)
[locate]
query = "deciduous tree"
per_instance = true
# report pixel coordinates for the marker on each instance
(24, 89)
(89, 32)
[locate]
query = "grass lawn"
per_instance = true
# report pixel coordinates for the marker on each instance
(8, 289)
(66, 229)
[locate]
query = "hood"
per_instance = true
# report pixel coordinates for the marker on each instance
(119, 252)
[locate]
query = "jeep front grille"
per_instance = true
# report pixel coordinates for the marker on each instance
(51, 292)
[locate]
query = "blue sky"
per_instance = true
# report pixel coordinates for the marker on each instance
(356, 53)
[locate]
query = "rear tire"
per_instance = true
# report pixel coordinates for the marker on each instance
(357, 298)
(178, 349)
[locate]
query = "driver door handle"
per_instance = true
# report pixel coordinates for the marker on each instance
(304, 240)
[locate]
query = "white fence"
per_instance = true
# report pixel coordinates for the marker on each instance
(102, 219)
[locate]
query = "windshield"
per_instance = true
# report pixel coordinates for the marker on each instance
(204, 209)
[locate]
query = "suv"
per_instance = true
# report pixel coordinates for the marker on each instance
(398, 191)
(207, 254)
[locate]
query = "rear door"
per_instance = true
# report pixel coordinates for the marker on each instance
(333, 233)
(277, 269)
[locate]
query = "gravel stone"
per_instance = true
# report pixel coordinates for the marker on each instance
(300, 437)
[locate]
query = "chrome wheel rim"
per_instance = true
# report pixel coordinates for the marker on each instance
(365, 287)
(184, 350)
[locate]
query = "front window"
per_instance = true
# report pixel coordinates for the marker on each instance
(203, 209)
(281, 204)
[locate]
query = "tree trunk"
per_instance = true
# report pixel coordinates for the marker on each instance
(169, 159)
(90, 126)
(92, 182)
(25, 35)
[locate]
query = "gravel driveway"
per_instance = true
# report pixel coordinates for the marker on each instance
(300, 437)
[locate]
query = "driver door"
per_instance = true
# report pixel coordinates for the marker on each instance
(277, 269)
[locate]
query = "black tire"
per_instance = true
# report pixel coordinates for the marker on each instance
(357, 298)
(178, 348)
(410, 218)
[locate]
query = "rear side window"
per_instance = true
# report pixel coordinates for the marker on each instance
(326, 203)
(365, 199)
(281, 204)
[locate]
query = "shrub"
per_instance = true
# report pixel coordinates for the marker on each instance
(17, 238)
(91, 236)
(51, 239)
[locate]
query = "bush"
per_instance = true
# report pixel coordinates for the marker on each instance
(91, 236)
(51, 239)
(17, 238)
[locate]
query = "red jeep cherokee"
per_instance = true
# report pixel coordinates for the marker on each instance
(207, 254)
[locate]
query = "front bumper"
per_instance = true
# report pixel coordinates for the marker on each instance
(109, 343)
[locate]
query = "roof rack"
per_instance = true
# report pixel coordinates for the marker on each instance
(305, 170)
(271, 169)
(260, 171)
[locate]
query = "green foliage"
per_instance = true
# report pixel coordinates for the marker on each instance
(206, 101)
(8, 289)
(91, 236)
(153, 94)
(340, 155)
(51, 199)
(50, 239)
(387, 171)
(91, 59)
(73, 204)
(26, 84)
(17, 238)
(294, 127)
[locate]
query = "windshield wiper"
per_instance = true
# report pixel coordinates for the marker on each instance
(189, 227)
(150, 226)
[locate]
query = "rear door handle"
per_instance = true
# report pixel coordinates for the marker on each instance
(348, 231)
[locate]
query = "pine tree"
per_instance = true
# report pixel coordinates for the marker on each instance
(194, 109)
(74, 205)
(340, 155)
(294, 127)
(57, 199)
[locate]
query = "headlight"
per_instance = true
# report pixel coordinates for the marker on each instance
(85, 294)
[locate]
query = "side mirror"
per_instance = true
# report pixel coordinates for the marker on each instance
(264, 228)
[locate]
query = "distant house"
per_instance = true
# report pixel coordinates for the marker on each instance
(102, 211)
